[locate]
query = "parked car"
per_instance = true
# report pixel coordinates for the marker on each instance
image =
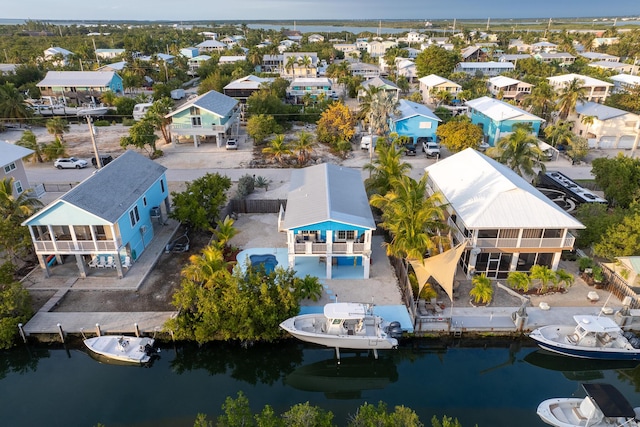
(366, 142)
(232, 144)
(431, 149)
(410, 149)
(70, 163)
(105, 159)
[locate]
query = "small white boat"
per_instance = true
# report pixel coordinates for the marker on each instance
(603, 406)
(92, 110)
(122, 348)
(345, 325)
(594, 337)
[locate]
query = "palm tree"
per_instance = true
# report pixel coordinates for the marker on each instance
(541, 100)
(559, 133)
(209, 270)
(383, 105)
(588, 121)
(54, 150)
(482, 291)
(303, 145)
(225, 231)
(570, 95)
(14, 209)
(412, 217)
(544, 275)
(519, 280)
(28, 140)
(443, 96)
(565, 277)
(57, 126)
(385, 168)
(519, 151)
(278, 149)
(157, 114)
(306, 62)
(12, 105)
(291, 64)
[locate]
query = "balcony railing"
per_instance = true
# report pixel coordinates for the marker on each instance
(79, 246)
(540, 242)
(338, 248)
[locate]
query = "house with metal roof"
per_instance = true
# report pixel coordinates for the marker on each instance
(328, 217)
(414, 120)
(597, 56)
(507, 224)
(617, 67)
(210, 115)
(625, 82)
(312, 86)
(497, 118)
(383, 84)
(242, 88)
(611, 127)
(432, 84)
(491, 68)
(596, 90)
(110, 215)
(11, 156)
(211, 46)
(507, 88)
(563, 59)
(80, 86)
(58, 56)
(109, 53)
(364, 70)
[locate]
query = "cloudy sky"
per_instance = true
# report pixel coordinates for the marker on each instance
(311, 9)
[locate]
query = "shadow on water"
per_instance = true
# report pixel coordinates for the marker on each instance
(345, 380)
(576, 369)
(260, 364)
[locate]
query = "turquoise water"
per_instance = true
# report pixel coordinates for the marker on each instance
(497, 385)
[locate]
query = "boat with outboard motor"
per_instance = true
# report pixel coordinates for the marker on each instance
(594, 337)
(123, 348)
(345, 325)
(603, 406)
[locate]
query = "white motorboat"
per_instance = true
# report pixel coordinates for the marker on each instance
(594, 337)
(345, 325)
(92, 110)
(603, 406)
(122, 348)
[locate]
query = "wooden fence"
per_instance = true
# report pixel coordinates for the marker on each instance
(618, 287)
(400, 268)
(256, 205)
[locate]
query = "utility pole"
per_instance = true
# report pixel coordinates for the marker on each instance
(93, 141)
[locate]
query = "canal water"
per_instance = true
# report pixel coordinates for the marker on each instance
(487, 383)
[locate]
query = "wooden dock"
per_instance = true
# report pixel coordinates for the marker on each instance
(110, 323)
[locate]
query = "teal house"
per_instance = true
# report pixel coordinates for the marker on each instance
(414, 120)
(328, 217)
(80, 86)
(105, 221)
(211, 116)
(497, 118)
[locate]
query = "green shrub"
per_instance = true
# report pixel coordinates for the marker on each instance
(128, 122)
(102, 123)
(246, 185)
(584, 263)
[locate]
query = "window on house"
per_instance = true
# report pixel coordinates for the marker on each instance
(144, 201)
(162, 185)
(487, 234)
(134, 216)
(194, 111)
(346, 235)
(8, 168)
(18, 186)
(196, 121)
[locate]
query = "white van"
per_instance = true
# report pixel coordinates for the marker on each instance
(140, 110)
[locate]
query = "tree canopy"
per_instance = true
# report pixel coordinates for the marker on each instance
(459, 134)
(436, 60)
(336, 123)
(619, 178)
(198, 206)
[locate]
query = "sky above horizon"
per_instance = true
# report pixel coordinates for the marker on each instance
(173, 10)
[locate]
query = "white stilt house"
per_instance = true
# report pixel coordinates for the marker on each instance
(328, 217)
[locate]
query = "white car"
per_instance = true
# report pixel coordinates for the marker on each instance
(70, 163)
(232, 144)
